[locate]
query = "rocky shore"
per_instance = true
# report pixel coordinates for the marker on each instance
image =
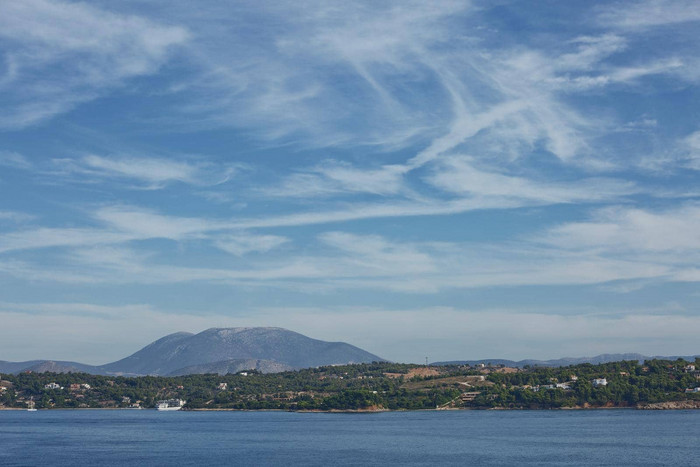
(672, 405)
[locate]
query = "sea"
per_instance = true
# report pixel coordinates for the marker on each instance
(495, 437)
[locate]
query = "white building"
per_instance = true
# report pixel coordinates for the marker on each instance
(598, 382)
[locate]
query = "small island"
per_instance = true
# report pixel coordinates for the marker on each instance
(379, 386)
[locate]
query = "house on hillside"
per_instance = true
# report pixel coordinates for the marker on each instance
(468, 396)
(598, 382)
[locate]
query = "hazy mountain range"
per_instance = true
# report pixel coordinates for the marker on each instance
(603, 358)
(266, 349)
(216, 350)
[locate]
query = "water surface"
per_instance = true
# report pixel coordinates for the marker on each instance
(148, 437)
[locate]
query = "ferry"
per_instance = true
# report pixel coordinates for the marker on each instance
(170, 404)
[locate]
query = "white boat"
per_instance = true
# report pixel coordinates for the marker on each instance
(170, 404)
(31, 410)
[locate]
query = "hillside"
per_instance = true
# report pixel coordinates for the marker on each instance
(656, 384)
(232, 366)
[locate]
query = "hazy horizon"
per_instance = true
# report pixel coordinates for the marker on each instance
(453, 179)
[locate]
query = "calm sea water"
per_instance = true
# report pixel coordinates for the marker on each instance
(147, 437)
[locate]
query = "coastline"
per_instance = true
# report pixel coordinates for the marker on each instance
(657, 406)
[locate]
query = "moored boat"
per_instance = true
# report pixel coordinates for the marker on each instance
(170, 404)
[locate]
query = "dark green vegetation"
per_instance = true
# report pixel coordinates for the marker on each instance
(372, 386)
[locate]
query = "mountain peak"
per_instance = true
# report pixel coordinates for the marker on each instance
(236, 330)
(278, 346)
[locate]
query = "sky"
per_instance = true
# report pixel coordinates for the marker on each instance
(448, 179)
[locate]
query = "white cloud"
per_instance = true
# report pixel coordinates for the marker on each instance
(591, 50)
(459, 175)
(374, 255)
(649, 13)
(63, 54)
(333, 177)
(15, 217)
(59, 237)
(144, 224)
(240, 244)
(120, 224)
(146, 172)
(691, 146)
(352, 261)
(14, 160)
(625, 229)
(290, 82)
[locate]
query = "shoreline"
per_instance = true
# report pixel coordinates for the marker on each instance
(658, 406)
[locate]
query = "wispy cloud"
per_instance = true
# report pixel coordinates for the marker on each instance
(649, 13)
(105, 48)
(240, 245)
(15, 217)
(459, 175)
(59, 237)
(334, 177)
(691, 146)
(351, 261)
(145, 172)
(293, 93)
(14, 160)
(620, 229)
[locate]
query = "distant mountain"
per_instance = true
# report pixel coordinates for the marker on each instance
(216, 350)
(268, 350)
(293, 350)
(44, 366)
(49, 366)
(603, 358)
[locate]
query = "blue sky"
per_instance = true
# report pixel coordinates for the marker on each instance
(448, 179)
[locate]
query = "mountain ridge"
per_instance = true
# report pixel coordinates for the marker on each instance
(565, 361)
(266, 349)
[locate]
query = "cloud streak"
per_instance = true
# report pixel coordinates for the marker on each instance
(145, 172)
(106, 49)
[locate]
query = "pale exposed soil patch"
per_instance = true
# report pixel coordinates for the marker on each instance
(422, 372)
(463, 382)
